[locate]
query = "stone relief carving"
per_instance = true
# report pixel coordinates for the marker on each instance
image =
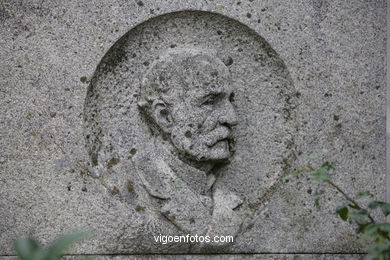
(187, 98)
(188, 121)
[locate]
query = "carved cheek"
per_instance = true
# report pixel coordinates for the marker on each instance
(209, 122)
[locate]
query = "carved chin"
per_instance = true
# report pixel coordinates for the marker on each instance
(220, 151)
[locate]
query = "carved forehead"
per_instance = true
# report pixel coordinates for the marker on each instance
(186, 68)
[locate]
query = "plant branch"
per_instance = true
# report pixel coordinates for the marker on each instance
(343, 193)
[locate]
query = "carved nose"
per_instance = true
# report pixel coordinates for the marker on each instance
(228, 116)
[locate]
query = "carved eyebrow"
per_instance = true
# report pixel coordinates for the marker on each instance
(216, 95)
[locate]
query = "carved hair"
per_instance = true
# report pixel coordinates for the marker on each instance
(175, 67)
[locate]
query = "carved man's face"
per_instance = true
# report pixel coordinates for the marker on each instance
(199, 116)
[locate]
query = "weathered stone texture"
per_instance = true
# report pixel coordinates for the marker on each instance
(306, 75)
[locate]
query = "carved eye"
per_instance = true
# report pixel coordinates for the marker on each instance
(210, 99)
(231, 97)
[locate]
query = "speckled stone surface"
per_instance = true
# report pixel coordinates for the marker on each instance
(330, 56)
(217, 257)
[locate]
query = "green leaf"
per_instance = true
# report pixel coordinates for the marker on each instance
(62, 243)
(343, 212)
(384, 227)
(379, 250)
(320, 175)
(385, 207)
(363, 228)
(25, 247)
(354, 206)
(39, 255)
(359, 216)
(370, 233)
(327, 166)
(362, 194)
(319, 192)
(370, 229)
(317, 203)
(374, 233)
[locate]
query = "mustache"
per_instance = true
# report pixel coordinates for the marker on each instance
(218, 134)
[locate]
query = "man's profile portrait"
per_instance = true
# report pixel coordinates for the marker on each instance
(189, 131)
(186, 99)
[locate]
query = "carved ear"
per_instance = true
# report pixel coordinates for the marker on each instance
(161, 115)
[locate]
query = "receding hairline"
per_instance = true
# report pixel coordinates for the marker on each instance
(175, 57)
(171, 66)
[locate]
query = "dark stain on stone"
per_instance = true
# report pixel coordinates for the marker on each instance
(115, 190)
(336, 117)
(139, 208)
(112, 162)
(249, 15)
(83, 79)
(133, 151)
(146, 63)
(188, 134)
(94, 159)
(173, 45)
(228, 61)
(130, 186)
(4, 15)
(251, 205)
(140, 3)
